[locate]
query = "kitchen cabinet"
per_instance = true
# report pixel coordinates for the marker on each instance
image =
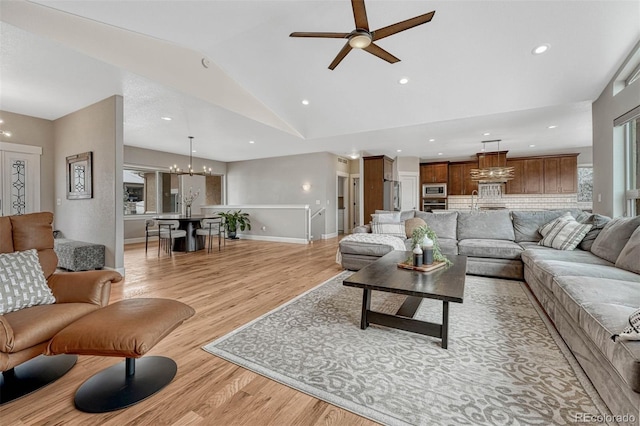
(561, 174)
(377, 169)
(529, 176)
(460, 182)
(434, 172)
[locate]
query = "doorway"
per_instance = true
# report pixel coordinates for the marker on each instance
(342, 219)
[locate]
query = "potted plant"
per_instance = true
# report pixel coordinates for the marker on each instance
(417, 237)
(235, 220)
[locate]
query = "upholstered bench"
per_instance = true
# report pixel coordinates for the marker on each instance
(129, 328)
(78, 255)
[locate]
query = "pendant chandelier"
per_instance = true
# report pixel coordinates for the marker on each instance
(495, 174)
(189, 171)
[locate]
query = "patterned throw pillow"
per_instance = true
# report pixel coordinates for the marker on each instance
(22, 282)
(563, 233)
(395, 229)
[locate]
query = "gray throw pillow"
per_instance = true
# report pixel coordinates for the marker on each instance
(22, 282)
(597, 223)
(563, 233)
(611, 240)
(629, 257)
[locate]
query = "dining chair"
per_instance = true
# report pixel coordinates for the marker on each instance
(168, 232)
(209, 227)
(150, 230)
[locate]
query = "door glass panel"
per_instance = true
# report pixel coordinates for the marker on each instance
(18, 197)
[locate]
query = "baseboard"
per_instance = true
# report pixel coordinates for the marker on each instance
(118, 270)
(243, 236)
(327, 236)
(273, 238)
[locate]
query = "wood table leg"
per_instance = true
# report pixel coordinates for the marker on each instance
(366, 305)
(445, 324)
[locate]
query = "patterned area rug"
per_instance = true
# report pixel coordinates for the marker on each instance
(504, 364)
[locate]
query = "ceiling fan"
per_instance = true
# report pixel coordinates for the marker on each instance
(362, 38)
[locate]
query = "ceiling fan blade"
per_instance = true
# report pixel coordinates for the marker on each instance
(360, 14)
(320, 35)
(346, 49)
(374, 49)
(401, 26)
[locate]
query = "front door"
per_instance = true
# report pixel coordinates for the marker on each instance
(19, 180)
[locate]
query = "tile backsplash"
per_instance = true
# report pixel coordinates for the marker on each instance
(520, 202)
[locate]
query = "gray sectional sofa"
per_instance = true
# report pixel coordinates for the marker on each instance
(588, 292)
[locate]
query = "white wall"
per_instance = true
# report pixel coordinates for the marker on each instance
(408, 164)
(608, 147)
(279, 180)
(97, 128)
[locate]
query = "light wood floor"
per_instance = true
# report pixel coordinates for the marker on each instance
(227, 289)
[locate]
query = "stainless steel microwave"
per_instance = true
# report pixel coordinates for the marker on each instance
(434, 190)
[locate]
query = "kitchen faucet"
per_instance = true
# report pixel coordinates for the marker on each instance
(474, 205)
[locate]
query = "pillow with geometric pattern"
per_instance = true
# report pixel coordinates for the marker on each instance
(563, 233)
(22, 282)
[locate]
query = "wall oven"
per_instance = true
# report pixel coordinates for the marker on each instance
(434, 190)
(431, 204)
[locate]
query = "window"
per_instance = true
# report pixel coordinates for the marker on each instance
(630, 123)
(156, 192)
(585, 184)
(149, 192)
(632, 140)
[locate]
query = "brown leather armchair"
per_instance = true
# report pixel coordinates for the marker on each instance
(24, 334)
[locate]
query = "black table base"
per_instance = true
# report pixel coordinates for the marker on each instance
(403, 319)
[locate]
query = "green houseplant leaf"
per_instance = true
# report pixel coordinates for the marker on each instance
(234, 220)
(417, 236)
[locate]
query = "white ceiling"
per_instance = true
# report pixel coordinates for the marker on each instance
(471, 71)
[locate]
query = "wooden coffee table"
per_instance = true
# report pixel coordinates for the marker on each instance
(446, 284)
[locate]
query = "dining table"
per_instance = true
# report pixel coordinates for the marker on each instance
(190, 224)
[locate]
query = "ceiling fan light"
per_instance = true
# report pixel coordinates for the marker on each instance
(360, 41)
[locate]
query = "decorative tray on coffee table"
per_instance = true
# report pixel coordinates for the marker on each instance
(423, 268)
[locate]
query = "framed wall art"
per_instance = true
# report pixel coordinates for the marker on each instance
(79, 180)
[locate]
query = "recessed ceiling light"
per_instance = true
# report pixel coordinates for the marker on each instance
(552, 126)
(539, 50)
(532, 146)
(193, 150)
(252, 141)
(305, 102)
(166, 118)
(398, 150)
(432, 140)
(486, 134)
(403, 80)
(353, 156)
(439, 153)
(1, 121)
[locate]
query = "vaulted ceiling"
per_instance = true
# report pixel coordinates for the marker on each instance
(228, 73)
